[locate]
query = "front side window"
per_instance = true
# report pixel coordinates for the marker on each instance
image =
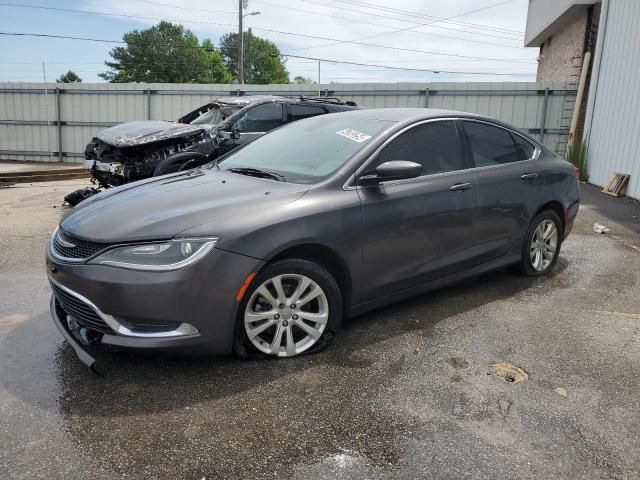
(298, 112)
(308, 150)
(433, 145)
(490, 145)
(262, 118)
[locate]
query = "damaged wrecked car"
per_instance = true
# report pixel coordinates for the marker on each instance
(137, 150)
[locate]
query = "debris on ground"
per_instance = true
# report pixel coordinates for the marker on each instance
(508, 372)
(597, 228)
(562, 392)
(418, 346)
(77, 196)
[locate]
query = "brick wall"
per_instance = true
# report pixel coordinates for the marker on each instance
(561, 55)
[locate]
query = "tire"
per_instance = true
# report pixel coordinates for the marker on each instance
(180, 161)
(533, 264)
(303, 328)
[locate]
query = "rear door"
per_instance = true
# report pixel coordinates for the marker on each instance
(509, 185)
(419, 229)
(298, 112)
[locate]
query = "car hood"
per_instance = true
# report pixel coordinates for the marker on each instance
(162, 207)
(132, 134)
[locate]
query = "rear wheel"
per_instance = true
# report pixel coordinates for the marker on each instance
(291, 307)
(541, 245)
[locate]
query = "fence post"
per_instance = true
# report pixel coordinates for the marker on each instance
(148, 104)
(59, 124)
(544, 114)
(426, 98)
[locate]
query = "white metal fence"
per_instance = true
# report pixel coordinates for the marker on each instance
(53, 122)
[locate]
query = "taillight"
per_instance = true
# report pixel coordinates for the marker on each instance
(577, 172)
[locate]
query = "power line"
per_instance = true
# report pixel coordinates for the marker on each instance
(412, 27)
(388, 67)
(398, 11)
(387, 17)
(352, 42)
(415, 25)
(345, 62)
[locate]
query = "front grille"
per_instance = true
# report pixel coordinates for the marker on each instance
(81, 249)
(83, 313)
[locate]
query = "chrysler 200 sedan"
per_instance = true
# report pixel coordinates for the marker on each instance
(268, 249)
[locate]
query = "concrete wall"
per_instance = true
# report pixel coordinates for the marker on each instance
(57, 126)
(613, 114)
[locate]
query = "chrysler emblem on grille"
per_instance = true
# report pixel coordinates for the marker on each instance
(64, 243)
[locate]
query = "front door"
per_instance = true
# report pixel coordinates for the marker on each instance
(255, 122)
(419, 229)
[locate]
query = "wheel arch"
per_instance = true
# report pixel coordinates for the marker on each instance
(327, 258)
(556, 207)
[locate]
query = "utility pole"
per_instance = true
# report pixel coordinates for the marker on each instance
(319, 92)
(242, 4)
(240, 44)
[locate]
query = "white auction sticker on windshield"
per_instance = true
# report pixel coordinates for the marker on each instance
(354, 135)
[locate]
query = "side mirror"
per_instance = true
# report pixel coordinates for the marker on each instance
(393, 170)
(235, 133)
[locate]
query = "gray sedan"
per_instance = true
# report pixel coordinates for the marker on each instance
(269, 249)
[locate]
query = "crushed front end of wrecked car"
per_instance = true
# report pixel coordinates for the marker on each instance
(137, 150)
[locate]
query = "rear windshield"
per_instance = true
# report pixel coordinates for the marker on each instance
(309, 150)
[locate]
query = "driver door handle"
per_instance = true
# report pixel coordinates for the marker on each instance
(529, 176)
(458, 187)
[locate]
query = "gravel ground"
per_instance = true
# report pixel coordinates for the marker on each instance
(403, 392)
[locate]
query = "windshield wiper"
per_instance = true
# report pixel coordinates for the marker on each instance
(256, 172)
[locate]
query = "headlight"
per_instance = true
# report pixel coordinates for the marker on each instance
(161, 256)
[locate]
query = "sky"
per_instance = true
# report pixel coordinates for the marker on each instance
(441, 35)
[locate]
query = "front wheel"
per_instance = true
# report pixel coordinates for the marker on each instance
(292, 306)
(541, 245)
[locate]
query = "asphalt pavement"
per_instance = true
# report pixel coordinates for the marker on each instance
(408, 391)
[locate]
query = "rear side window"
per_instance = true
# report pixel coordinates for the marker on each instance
(298, 112)
(261, 118)
(490, 145)
(525, 148)
(434, 145)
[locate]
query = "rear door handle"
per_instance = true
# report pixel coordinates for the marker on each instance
(459, 187)
(529, 176)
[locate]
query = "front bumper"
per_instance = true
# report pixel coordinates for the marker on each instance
(201, 295)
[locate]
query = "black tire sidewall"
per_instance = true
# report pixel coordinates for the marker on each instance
(525, 267)
(243, 346)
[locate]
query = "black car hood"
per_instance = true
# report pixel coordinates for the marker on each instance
(132, 134)
(162, 207)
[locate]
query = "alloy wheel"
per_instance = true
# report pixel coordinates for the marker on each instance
(544, 244)
(286, 315)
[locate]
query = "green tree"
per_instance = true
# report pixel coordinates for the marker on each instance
(304, 80)
(165, 53)
(263, 63)
(69, 77)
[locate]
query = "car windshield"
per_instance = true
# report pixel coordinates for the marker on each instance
(306, 151)
(216, 115)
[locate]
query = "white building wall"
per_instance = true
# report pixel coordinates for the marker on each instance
(613, 119)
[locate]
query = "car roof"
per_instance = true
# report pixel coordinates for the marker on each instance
(407, 114)
(244, 100)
